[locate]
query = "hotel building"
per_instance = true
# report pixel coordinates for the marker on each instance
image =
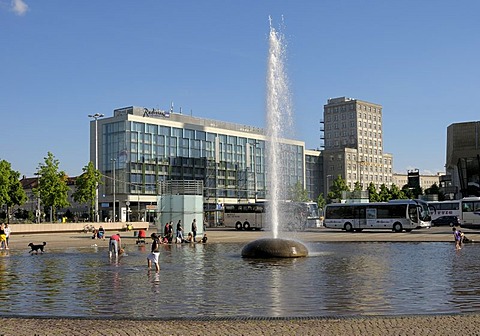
(138, 149)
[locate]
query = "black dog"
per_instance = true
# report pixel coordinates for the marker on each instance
(35, 248)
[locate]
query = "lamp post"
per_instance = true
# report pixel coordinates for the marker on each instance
(114, 200)
(96, 116)
(38, 212)
(328, 184)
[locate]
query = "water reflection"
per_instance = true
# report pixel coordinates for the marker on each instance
(213, 280)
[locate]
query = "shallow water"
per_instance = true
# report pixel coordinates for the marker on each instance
(212, 280)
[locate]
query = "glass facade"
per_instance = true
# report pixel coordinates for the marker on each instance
(231, 164)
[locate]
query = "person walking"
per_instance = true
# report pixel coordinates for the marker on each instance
(457, 237)
(3, 238)
(179, 231)
(8, 231)
(154, 253)
(194, 229)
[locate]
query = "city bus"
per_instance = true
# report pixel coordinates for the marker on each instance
(395, 215)
(297, 216)
(470, 215)
(313, 214)
(465, 210)
(246, 216)
(445, 212)
(445, 208)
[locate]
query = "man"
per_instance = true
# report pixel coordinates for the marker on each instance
(179, 231)
(114, 245)
(194, 229)
(154, 253)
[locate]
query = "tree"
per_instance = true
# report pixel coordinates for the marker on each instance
(435, 190)
(412, 193)
(384, 194)
(372, 193)
(11, 191)
(52, 185)
(299, 194)
(321, 202)
(86, 186)
(338, 185)
(357, 186)
(396, 193)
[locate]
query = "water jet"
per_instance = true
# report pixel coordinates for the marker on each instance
(279, 125)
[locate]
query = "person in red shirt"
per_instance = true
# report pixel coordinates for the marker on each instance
(114, 245)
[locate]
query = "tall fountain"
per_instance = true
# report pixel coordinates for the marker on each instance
(279, 125)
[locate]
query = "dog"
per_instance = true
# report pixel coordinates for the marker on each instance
(35, 248)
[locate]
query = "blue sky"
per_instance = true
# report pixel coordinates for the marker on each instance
(63, 60)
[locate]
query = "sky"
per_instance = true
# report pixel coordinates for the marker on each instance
(63, 60)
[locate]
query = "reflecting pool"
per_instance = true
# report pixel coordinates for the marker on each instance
(212, 280)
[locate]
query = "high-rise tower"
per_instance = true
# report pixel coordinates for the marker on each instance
(354, 143)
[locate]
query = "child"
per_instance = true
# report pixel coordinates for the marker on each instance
(155, 253)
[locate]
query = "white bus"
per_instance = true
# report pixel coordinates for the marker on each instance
(396, 215)
(313, 215)
(466, 211)
(470, 215)
(297, 216)
(246, 216)
(445, 212)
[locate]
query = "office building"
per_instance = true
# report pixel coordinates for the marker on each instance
(138, 148)
(353, 141)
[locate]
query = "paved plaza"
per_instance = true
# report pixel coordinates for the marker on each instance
(465, 324)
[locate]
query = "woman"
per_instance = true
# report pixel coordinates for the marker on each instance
(3, 238)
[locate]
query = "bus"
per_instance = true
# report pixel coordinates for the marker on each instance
(445, 212)
(252, 216)
(466, 211)
(396, 215)
(470, 215)
(313, 215)
(246, 216)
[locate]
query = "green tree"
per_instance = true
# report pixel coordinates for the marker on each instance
(435, 190)
(372, 193)
(11, 190)
(321, 201)
(412, 193)
(52, 188)
(396, 193)
(86, 186)
(299, 193)
(338, 185)
(357, 186)
(384, 194)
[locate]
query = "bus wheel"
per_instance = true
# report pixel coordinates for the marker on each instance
(246, 226)
(397, 227)
(348, 227)
(238, 226)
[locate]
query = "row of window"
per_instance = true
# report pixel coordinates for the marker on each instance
(351, 107)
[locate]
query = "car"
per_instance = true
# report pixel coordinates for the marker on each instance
(446, 220)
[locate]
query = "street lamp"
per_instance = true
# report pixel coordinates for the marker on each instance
(96, 116)
(38, 212)
(114, 200)
(328, 184)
